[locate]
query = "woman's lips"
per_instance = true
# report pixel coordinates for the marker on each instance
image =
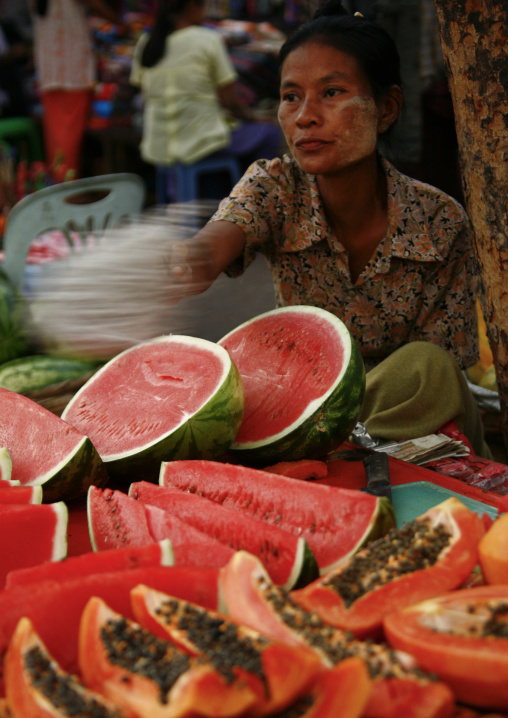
(310, 145)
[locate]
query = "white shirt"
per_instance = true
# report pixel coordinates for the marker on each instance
(183, 120)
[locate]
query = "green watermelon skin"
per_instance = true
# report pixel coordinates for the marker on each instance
(45, 451)
(207, 433)
(316, 435)
(335, 522)
(30, 373)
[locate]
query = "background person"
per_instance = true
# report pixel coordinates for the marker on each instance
(187, 85)
(65, 73)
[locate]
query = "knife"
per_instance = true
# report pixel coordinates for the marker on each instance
(377, 471)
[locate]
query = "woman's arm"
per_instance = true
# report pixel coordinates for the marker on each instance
(196, 263)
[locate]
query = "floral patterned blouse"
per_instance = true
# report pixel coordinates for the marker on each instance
(418, 285)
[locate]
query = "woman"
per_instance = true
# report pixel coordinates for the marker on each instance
(187, 84)
(65, 73)
(343, 230)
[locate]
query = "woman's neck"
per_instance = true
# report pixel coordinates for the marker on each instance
(355, 202)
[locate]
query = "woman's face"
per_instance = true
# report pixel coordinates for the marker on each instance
(327, 109)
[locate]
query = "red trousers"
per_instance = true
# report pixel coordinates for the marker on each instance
(64, 122)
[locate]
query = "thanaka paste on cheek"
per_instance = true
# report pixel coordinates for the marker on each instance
(356, 136)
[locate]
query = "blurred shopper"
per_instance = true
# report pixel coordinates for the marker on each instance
(187, 84)
(65, 73)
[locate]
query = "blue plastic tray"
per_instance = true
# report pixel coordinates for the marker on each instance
(411, 500)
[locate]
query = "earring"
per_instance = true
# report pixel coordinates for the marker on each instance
(384, 127)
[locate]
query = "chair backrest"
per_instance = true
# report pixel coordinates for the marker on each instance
(88, 206)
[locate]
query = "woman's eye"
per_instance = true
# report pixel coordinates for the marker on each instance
(333, 91)
(289, 97)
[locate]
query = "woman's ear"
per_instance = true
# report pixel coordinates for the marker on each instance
(390, 107)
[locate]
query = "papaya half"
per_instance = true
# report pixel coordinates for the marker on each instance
(423, 558)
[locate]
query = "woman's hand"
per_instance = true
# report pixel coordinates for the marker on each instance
(194, 263)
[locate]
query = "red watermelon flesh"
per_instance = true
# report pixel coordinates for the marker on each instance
(285, 556)
(156, 554)
(116, 520)
(31, 535)
(55, 607)
(46, 451)
(303, 469)
(20, 494)
(335, 522)
(284, 370)
(179, 386)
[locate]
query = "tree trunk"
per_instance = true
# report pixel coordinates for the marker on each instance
(474, 38)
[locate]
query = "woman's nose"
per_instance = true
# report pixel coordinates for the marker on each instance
(308, 113)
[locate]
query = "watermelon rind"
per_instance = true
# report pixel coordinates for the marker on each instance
(305, 568)
(328, 420)
(73, 475)
(207, 433)
(5, 464)
(59, 551)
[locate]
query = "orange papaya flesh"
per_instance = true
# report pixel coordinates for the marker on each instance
(425, 557)
(55, 607)
(37, 687)
(275, 672)
(492, 552)
(340, 692)
(148, 677)
(399, 686)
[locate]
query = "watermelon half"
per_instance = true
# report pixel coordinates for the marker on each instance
(46, 451)
(171, 397)
(32, 534)
(304, 382)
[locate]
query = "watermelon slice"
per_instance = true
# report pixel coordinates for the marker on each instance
(335, 522)
(304, 381)
(5, 464)
(116, 520)
(20, 494)
(172, 397)
(156, 554)
(55, 607)
(46, 451)
(32, 534)
(287, 557)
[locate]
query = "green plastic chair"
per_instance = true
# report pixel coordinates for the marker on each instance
(87, 206)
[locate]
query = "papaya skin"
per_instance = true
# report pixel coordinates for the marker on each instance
(492, 553)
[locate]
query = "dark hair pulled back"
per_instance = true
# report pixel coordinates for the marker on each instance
(366, 41)
(41, 7)
(164, 25)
